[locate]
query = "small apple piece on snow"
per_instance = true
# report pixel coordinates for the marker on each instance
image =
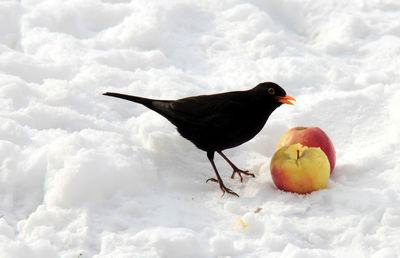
(300, 169)
(310, 137)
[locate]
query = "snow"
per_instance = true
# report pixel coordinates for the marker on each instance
(84, 175)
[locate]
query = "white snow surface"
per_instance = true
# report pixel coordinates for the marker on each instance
(84, 175)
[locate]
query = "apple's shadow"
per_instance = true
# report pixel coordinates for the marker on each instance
(345, 170)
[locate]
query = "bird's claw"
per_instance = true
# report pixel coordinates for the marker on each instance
(223, 188)
(227, 190)
(240, 172)
(212, 180)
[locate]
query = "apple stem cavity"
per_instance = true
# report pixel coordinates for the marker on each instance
(298, 154)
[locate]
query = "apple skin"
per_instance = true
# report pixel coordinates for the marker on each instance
(300, 169)
(311, 137)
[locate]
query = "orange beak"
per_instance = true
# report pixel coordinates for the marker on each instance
(285, 100)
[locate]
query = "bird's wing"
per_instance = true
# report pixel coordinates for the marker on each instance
(208, 110)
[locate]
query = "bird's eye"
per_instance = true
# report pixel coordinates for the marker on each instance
(271, 91)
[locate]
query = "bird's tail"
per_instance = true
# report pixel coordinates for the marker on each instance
(143, 101)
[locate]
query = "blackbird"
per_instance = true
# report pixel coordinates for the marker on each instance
(220, 121)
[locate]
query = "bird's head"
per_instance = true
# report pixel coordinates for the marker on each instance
(274, 93)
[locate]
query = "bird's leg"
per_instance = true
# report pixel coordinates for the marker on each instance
(235, 169)
(224, 189)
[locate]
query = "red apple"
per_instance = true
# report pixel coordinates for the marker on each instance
(311, 137)
(300, 169)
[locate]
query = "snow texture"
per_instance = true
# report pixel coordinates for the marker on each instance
(84, 175)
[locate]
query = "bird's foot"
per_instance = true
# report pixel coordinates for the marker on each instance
(240, 172)
(223, 188)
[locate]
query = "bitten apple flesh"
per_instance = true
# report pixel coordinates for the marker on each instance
(300, 169)
(311, 137)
